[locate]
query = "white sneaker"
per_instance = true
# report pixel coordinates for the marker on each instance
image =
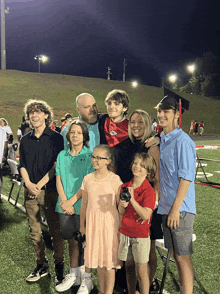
(68, 282)
(86, 286)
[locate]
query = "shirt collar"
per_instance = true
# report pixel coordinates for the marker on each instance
(47, 131)
(170, 135)
(143, 186)
(124, 118)
(83, 151)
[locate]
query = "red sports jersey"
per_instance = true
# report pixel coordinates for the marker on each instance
(115, 133)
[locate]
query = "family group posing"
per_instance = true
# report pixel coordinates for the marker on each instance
(79, 187)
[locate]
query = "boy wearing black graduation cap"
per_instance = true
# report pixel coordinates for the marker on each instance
(177, 191)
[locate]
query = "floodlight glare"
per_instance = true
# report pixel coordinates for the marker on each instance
(191, 68)
(134, 84)
(44, 58)
(172, 78)
(41, 59)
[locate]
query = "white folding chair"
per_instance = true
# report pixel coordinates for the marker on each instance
(16, 180)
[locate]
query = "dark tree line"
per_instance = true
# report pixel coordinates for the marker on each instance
(205, 80)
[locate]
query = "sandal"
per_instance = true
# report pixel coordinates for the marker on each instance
(155, 286)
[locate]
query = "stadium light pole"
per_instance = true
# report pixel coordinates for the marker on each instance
(124, 65)
(3, 50)
(40, 58)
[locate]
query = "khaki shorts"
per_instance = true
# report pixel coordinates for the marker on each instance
(136, 249)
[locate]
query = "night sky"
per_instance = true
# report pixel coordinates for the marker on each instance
(84, 37)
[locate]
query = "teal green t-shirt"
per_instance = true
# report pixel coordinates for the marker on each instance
(72, 170)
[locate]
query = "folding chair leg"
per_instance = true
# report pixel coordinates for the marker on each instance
(10, 192)
(165, 271)
(16, 200)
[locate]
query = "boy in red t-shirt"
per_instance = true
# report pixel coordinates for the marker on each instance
(134, 245)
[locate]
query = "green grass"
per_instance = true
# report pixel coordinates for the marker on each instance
(60, 92)
(17, 257)
(211, 142)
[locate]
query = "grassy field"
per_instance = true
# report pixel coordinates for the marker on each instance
(17, 256)
(60, 92)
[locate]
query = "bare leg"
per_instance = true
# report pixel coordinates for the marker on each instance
(73, 253)
(109, 280)
(131, 276)
(101, 276)
(106, 280)
(152, 260)
(143, 271)
(88, 270)
(185, 271)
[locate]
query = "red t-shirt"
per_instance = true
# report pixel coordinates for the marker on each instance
(115, 133)
(145, 197)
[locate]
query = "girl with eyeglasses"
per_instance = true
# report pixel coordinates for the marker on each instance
(99, 219)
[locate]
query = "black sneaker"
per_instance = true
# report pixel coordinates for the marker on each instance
(40, 271)
(59, 267)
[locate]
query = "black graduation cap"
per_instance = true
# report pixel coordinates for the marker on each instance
(172, 99)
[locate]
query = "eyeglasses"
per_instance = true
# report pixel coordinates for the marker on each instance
(98, 157)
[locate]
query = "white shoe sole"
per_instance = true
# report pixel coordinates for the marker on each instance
(36, 278)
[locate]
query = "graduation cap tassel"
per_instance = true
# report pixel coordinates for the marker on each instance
(180, 114)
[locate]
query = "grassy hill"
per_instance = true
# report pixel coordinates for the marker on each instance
(60, 91)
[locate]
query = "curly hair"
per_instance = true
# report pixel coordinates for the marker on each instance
(32, 104)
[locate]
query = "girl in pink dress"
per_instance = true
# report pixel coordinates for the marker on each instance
(99, 219)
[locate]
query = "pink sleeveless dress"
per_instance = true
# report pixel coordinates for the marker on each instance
(102, 221)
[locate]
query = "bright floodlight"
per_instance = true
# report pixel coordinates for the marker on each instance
(134, 84)
(41, 59)
(44, 58)
(191, 68)
(172, 78)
